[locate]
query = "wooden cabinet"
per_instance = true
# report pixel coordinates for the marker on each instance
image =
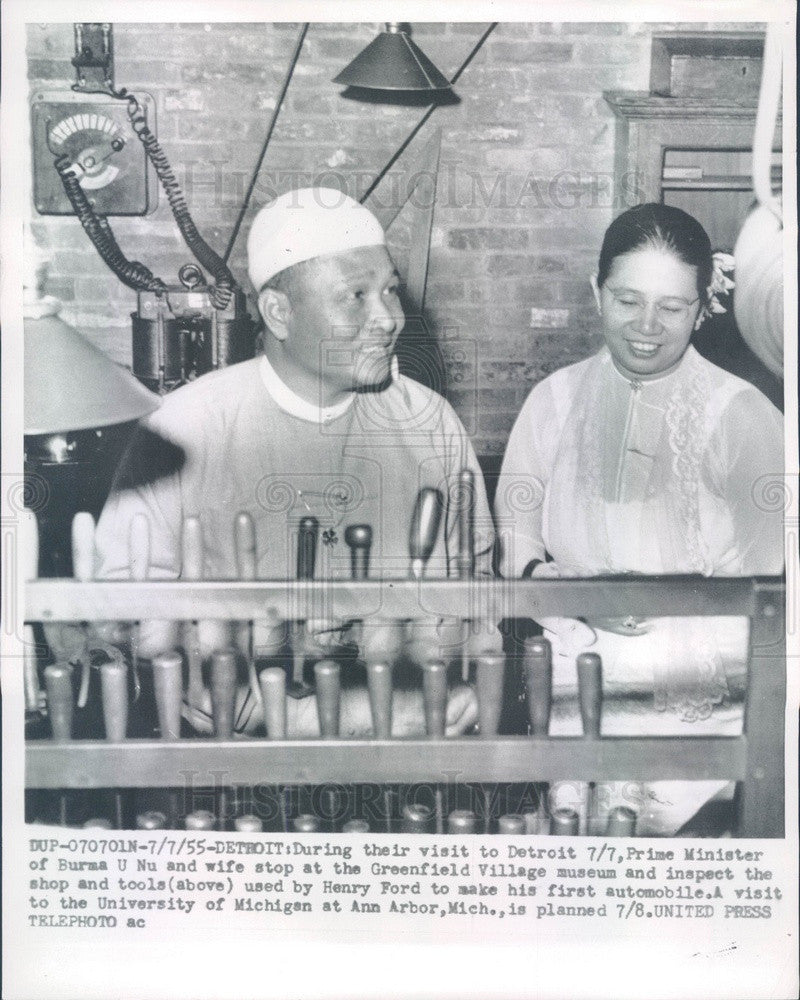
(695, 153)
(692, 152)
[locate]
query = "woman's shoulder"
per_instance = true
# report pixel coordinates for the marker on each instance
(733, 406)
(728, 394)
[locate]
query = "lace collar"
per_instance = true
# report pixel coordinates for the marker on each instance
(663, 379)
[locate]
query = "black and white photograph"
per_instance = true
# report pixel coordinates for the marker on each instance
(400, 501)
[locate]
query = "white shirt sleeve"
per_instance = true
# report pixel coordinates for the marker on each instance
(519, 500)
(746, 467)
(484, 535)
(146, 482)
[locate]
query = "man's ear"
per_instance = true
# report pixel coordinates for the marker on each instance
(596, 291)
(275, 310)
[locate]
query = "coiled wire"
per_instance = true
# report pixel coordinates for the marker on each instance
(222, 291)
(132, 273)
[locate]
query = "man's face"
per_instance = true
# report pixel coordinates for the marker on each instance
(344, 319)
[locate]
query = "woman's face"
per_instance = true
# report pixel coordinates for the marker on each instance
(649, 305)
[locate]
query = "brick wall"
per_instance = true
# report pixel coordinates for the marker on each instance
(524, 185)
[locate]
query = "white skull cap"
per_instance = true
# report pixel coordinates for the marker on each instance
(306, 223)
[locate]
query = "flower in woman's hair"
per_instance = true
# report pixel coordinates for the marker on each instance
(721, 284)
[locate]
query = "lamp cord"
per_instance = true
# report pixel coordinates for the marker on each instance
(132, 273)
(224, 285)
(769, 98)
(409, 138)
(256, 171)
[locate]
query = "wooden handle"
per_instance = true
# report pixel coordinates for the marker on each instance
(139, 547)
(424, 528)
(151, 820)
(356, 826)
(248, 824)
(327, 674)
(307, 547)
(434, 697)
(461, 821)
(465, 559)
(245, 539)
(272, 681)
(489, 689)
(98, 823)
(538, 666)
(191, 549)
(30, 670)
(306, 823)
(379, 685)
(417, 818)
(621, 822)
(192, 569)
(223, 692)
(359, 539)
(83, 546)
(590, 671)
(58, 682)
(511, 824)
(28, 545)
(246, 560)
(564, 823)
(200, 819)
(331, 807)
(167, 685)
(114, 687)
(537, 822)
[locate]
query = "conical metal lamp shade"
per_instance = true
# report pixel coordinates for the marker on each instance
(392, 62)
(70, 385)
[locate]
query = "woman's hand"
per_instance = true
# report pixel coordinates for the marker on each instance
(621, 626)
(324, 636)
(409, 712)
(628, 625)
(545, 570)
(462, 710)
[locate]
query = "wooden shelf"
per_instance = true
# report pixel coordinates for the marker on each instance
(641, 104)
(649, 127)
(709, 183)
(754, 758)
(209, 763)
(608, 597)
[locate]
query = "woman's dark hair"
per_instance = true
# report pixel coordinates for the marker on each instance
(662, 227)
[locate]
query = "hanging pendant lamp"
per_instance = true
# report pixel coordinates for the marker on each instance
(392, 61)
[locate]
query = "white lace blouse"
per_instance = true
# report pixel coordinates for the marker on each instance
(678, 474)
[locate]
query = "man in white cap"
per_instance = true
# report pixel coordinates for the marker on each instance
(320, 424)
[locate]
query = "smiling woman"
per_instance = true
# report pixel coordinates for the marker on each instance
(646, 458)
(652, 287)
(649, 312)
